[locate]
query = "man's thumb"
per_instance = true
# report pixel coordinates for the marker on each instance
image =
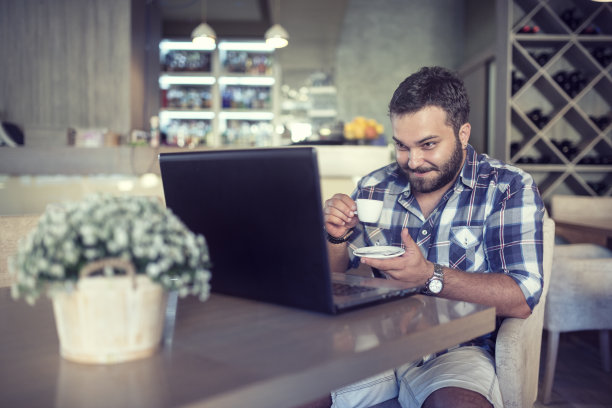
(406, 238)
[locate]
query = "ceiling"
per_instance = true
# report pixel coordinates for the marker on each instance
(251, 18)
(229, 18)
(314, 26)
(220, 10)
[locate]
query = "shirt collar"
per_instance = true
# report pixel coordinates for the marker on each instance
(470, 167)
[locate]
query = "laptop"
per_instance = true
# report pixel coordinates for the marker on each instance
(261, 213)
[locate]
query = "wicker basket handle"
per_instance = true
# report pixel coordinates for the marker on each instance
(117, 263)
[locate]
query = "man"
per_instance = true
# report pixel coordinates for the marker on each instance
(472, 230)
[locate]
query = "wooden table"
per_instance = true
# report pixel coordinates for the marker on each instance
(585, 230)
(230, 352)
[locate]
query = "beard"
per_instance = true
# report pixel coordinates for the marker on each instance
(447, 173)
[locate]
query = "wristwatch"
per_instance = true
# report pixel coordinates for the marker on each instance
(435, 284)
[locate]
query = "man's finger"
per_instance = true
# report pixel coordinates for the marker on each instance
(407, 239)
(382, 264)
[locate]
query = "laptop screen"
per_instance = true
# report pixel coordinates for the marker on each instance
(261, 214)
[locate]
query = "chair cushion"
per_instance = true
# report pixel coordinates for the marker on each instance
(579, 293)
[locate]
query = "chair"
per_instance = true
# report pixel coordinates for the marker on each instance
(517, 349)
(12, 229)
(579, 296)
(568, 206)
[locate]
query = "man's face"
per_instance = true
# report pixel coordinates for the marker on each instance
(427, 149)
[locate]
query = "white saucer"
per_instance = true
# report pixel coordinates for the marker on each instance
(379, 252)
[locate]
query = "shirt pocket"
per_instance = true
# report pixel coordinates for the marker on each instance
(466, 249)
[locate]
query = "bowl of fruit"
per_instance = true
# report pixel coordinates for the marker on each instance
(362, 130)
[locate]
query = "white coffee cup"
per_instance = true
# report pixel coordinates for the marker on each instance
(369, 210)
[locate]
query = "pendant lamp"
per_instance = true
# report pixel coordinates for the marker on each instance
(203, 35)
(277, 36)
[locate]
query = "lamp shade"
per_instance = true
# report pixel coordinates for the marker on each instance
(204, 35)
(277, 36)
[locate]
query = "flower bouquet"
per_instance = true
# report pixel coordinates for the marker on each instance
(136, 229)
(139, 251)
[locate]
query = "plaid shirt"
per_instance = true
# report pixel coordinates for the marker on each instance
(490, 221)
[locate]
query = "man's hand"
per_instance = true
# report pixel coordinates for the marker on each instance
(493, 289)
(411, 267)
(339, 215)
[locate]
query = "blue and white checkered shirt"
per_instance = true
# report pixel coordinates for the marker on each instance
(490, 221)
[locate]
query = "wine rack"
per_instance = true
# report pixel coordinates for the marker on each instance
(556, 64)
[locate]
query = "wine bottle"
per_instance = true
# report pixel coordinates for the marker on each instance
(527, 29)
(570, 19)
(538, 118)
(534, 115)
(516, 82)
(568, 149)
(542, 58)
(598, 187)
(602, 55)
(591, 29)
(601, 122)
(560, 77)
(514, 148)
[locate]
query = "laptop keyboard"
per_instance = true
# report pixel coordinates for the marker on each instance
(343, 289)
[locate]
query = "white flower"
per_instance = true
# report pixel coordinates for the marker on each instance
(57, 270)
(137, 229)
(121, 237)
(91, 254)
(153, 270)
(42, 263)
(88, 232)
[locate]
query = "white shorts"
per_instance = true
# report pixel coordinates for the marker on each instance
(470, 368)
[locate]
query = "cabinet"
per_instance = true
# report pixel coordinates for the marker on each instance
(554, 109)
(218, 97)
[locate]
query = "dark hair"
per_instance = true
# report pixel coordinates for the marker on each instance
(432, 86)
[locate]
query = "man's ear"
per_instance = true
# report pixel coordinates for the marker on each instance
(464, 134)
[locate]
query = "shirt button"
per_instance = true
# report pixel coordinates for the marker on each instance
(424, 232)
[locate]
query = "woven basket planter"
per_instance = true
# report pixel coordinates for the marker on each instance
(110, 319)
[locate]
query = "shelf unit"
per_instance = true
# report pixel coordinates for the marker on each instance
(227, 96)
(310, 113)
(323, 112)
(323, 102)
(556, 105)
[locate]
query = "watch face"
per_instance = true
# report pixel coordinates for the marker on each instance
(435, 286)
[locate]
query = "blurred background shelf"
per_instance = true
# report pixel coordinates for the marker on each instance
(223, 97)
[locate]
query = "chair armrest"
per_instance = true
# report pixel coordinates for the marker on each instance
(517, 360)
